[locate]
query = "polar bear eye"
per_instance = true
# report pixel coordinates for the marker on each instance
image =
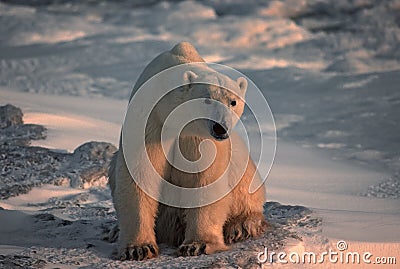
(233, 103)
(207, 101)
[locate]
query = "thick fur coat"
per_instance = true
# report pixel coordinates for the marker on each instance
(144, 222)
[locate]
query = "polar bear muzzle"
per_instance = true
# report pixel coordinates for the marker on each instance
(218, 131)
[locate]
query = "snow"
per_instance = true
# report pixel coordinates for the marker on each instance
(71, 121)
(329, 69)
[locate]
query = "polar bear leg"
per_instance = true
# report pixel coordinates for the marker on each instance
(136, 214)
(204, 229)
(136, 219)
(246, 219)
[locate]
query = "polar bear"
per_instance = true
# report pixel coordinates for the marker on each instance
(142, 220)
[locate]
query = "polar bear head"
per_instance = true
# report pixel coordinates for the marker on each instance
(218, 107)
(223, 100)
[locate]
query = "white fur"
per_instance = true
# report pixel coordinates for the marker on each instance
(137, 212)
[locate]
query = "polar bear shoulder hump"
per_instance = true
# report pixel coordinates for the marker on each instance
(181, 53)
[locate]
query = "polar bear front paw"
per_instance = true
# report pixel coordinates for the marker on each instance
(192, 249)
(139, 253)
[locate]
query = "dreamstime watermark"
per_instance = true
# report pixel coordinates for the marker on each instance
(340, 255)
(176, 105)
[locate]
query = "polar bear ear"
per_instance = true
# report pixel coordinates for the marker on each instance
(242, 82)
(188, 78)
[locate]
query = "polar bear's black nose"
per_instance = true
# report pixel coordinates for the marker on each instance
(219, 131)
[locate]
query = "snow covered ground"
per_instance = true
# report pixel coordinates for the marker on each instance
(329, 69)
